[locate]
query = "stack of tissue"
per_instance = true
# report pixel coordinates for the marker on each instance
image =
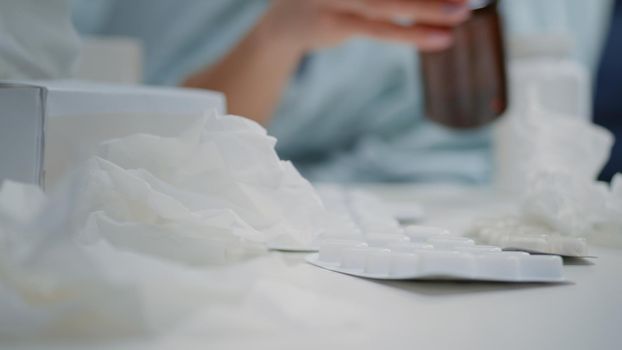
(212, 195)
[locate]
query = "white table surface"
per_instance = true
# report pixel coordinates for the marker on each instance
(292, 305)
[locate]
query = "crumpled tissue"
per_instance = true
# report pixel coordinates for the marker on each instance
(197, 197)
(574, 207)
(106, 253)
(535, 141)
(47, 283)
(551, 161)
(54, 287)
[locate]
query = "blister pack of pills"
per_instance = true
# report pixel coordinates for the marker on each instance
(353, 214)
(511, 234)
(432, 253)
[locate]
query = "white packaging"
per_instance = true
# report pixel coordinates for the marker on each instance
(558, 85)
(47, 128)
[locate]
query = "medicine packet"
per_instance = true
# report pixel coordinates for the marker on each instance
(433, 253)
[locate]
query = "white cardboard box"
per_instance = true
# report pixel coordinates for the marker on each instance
(48, 127)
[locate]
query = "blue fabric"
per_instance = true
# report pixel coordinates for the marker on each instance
(608, 101)
(352, 113)
(178, 36)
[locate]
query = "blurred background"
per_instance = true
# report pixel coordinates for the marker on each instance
(354, 111)
(162, 42)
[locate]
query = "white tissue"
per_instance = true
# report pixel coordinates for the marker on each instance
(54, 287)
(100, 255)
(562, 161)
(124, 208)
(537, 141)
(568, 205)
(225, 162)
(202, 197)
(48, 286)
(550, 160)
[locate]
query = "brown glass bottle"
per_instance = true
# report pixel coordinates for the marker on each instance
(465, 86)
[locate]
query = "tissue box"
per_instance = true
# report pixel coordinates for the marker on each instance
(46, 128)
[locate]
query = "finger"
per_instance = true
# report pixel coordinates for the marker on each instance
(442, 12)
(426, 38)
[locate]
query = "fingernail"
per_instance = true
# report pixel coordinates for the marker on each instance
(452, 9)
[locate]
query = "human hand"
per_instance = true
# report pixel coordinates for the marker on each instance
(315, 24)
